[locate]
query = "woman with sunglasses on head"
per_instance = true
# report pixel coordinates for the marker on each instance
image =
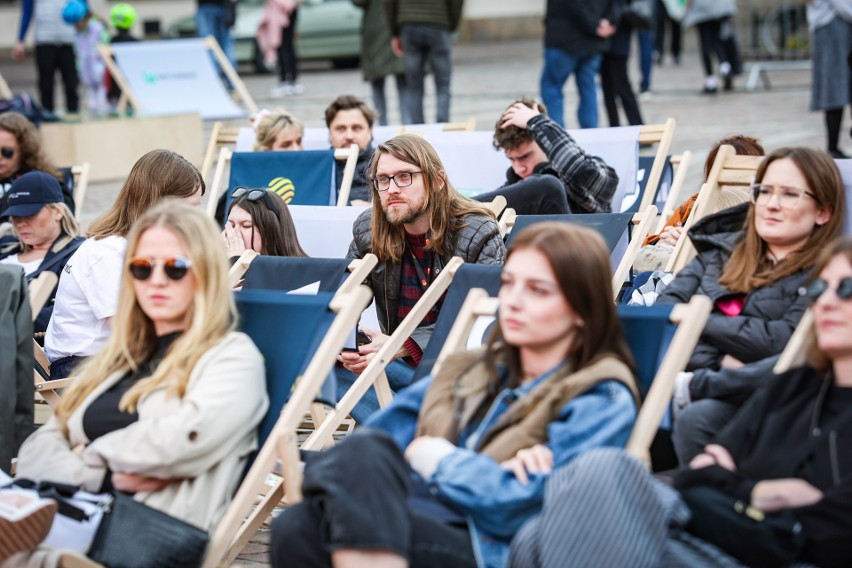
(752, 258)
(167, 411)
(20, 152)
(458, 462)
(784, 457)
(259, 220)
(88, 290)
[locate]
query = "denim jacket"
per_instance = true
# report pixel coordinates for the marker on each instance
(495, 504)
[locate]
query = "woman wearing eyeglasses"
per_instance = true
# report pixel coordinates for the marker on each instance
(167, 411)
(785, 457)
(87, 297)
(753, 258)
(20, 152)
(259, 220)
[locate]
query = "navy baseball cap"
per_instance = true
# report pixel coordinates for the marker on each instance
(30, 192)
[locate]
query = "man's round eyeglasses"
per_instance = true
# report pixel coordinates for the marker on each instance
(788, 197)
(402, 179)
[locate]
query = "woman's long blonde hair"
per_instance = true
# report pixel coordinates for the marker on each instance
(210, 317)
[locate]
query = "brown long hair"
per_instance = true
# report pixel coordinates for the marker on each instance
(274, 223)
(29, 144)
(445, 205)
(839, 247)
(749, 266)
(580, 261)
(157, 174)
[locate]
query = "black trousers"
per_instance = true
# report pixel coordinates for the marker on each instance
(52, 57)
(356, 497)
(615, 85)
(539, 194)
(660, 33)
(288, 67)
(717, 38)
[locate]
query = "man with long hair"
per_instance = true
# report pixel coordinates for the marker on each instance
(417, 223)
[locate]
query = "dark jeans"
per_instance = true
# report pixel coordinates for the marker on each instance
(356, 497)
(539, 194)
(422, 43)
(381, 103)
(50, 58)
(62, 368)
(288, 67)
(399, 373)
(615, 85)
(698, 425)
(660, 33)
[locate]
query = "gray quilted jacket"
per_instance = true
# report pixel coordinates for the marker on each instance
(477, 241)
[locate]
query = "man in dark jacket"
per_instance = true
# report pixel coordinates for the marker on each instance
(417, 223)
(422, 31)
(350, 121)
(550, 173)
(575, 35)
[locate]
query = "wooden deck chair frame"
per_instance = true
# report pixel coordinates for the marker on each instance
(39, 290)
(5, 91)
(240, 523)
(74, 560)
(794, 353)
(350, 155)
(468, 125)
(374, 374)
(642, 222)
(219, 136)
(497, 205)
(690, 319)
(210, 43)
(728, 169)
(80, 173)
(681, 164)
(661, 135)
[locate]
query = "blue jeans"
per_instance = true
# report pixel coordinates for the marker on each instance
(422, 43)
(400, 375)
(646, 58)
(558, 66)
(210, 21)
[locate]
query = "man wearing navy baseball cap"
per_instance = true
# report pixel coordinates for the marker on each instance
(30, 192)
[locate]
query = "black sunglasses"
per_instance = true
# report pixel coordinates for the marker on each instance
(7, 152)
(818, 287)
(175, 267)
(254, 195)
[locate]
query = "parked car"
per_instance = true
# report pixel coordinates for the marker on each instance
(325, 29)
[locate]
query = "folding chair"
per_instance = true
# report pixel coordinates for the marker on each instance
(300, 337)
(728, 169)
(350, 155)
(661, 135)
(374, 374)
(642, 222)
(611, 226)
(682, 162)
(288, 273)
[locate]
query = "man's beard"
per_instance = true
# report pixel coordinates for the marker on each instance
(404, 216)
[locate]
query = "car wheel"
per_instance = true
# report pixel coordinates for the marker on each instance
(259, 63)
(345, 63)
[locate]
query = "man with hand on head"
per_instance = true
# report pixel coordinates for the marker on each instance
(350, 121)
(550, 173)
(417, 223)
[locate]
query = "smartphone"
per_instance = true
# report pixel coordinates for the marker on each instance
(356, 339)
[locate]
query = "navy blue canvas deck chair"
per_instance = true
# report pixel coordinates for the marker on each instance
(611, 226)
(299, 337)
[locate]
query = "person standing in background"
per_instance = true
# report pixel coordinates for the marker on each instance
(421, 32)
(670, 11)
(91, 32)
(54, 50)
(830, 24)
(379, 61)
(615, 81)
(216, 18)
(575, 35)
(276, 38)
(713, 20)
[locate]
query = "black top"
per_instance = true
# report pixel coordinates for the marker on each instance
(798, 425)
(103, 415)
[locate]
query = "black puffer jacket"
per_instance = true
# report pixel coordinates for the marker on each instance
(478, 242)
(769, 315)
(571, 25)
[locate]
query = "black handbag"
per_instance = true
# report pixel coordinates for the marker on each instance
(133, 535)
(749, 535)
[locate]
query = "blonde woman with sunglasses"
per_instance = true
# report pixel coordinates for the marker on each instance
(167, 411)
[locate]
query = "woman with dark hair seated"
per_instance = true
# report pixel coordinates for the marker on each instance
(773, 490)
(447, 474)
(752, 258)
(46, 232)
(260, 220)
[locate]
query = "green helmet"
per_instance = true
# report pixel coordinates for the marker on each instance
(122, 16)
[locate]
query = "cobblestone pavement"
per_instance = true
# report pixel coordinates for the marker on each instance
(488, 76)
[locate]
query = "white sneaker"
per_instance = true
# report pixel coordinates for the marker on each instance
(281, 90)
(296, 89)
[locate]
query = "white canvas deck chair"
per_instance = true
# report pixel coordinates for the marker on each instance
(661, 135)
(374, 374)
(218, 185)
(728, 169)
(286, 329)
(661, 339)
(168, 77)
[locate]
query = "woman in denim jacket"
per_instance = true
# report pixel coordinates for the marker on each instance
(451, 470)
